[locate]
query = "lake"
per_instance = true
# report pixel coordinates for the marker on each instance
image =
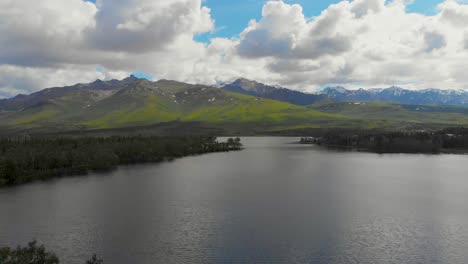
(273, 202)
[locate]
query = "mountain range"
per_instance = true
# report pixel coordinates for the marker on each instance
(139, 102)
(391, 95)
(254, 88)
(243, 107)
(399, 95)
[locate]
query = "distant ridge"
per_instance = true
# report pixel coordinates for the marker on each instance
(253, 88)
(392, 94)
(244, 86)
(399, 95)
(243, 107)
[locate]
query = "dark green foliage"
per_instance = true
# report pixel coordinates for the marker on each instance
(450, 140)
(28, 159)
(94, 260)
(234, 143)
(32, 254)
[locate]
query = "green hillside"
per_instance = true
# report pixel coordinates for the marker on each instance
(144, 103)
(397, 114)
(210, 105)
(137, 103)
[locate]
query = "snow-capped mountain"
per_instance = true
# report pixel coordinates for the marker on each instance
(399, 95)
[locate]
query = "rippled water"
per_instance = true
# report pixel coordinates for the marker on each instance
(273, 202)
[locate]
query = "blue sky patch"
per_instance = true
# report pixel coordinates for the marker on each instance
(142, 75)
(232, 17)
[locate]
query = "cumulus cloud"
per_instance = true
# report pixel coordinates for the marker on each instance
(364, 7)
(454, 13)
(45, 42)
(434, 41)
(42, 32)
(146, 25)
(359, 43)
(284, 32)
(23, 80)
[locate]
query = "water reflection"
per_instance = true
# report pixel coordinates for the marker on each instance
(274, 202)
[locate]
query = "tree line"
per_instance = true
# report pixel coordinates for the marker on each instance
(28, 159)
(34, 254)
(449, 140)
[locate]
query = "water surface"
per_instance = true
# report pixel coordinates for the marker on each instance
(273, 202)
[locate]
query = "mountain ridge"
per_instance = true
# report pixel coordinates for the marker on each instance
(133, 102)
(254, 88)
(139, 102)
(394, 94)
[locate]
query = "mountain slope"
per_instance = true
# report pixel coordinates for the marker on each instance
(200, 103)
(247, 87)
(137, 102)
(397, 113)
(79, 94)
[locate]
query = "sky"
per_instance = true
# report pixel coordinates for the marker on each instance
(299, 44)
(233, 16)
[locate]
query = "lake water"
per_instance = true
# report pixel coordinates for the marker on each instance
(273, 202)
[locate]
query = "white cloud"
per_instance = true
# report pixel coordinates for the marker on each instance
(361, 8)
(42, 32)
(360, 43)
(284, 32)
(55, 42)
(454, 13)
(23, 80)
(147, 25)
(434, 41)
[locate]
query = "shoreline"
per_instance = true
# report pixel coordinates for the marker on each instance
(368, 150)
(32, 160)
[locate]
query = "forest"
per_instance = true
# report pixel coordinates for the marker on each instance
(28, 159)
(34, 254)
(449, 140)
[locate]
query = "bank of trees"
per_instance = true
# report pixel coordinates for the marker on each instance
(27, 159)
(33, 254)
(448, 140)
